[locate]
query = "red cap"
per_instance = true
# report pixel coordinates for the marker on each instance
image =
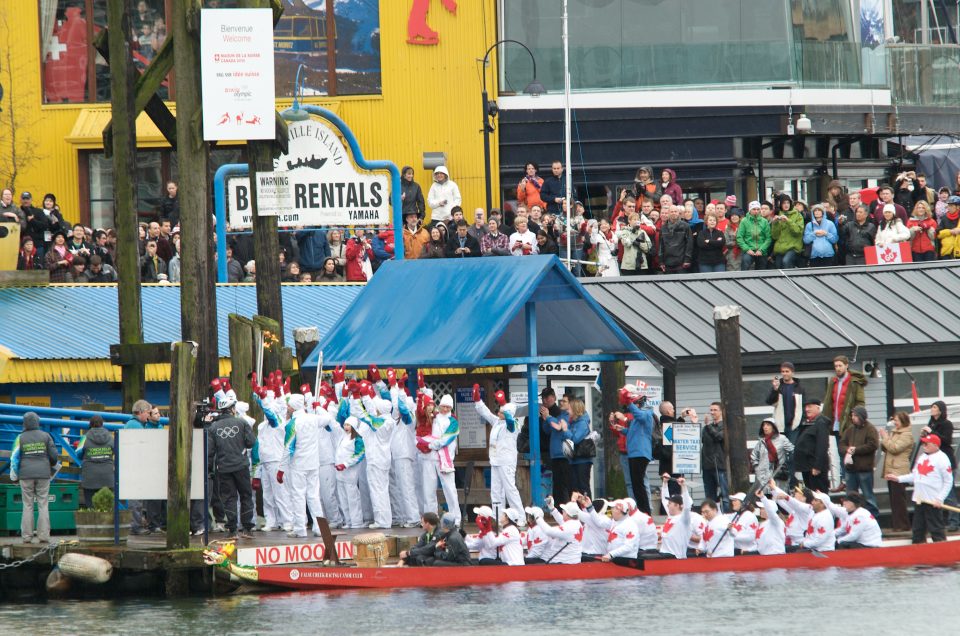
(931, 439)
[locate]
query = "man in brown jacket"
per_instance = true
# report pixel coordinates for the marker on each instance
(858, 447)
(844, 391)
(414, 236)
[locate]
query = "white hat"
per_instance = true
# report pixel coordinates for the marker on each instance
(510, 408)
(889, 207)
(513, 515)
(534, 511)
(632, 505)
(572, 509)
(242, 408)
(295, 401)
(622, 504)
(442, 169)
(352, 421)
(225, 402)
(753, 205)
(741, 497)
(446, 400)
(822, 496)
(484, 511)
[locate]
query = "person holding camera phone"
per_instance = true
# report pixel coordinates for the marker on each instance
(528, 190)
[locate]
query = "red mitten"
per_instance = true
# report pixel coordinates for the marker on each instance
(420, 381)
(352, 388)
(256, 483)
(373, 374)
(215, 384)
(391, 378)
(286, 386)
(339, 373)
(423, 446)
(304, 388)
(365, 388)
(340, 467)
(226, 384)
(476, 392)
(501, 397)
(261, 392)
(316, 405)
(280, 476)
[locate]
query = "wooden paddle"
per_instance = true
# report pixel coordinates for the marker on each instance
(329, 542)
(944, 506)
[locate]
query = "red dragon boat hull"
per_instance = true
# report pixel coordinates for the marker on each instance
(337, 578)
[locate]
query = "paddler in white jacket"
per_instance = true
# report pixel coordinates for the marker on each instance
(565, 538)
(502, 451)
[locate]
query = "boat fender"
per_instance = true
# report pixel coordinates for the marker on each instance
(85, 567)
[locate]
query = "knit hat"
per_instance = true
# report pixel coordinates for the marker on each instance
(753, 205)
(446, 400)
(448, 521)
(860, 412)
(295, 401)
(731, 200)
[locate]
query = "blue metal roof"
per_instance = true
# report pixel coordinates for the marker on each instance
(80, 322)
(471, 312)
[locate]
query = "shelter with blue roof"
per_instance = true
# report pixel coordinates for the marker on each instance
(473, 313)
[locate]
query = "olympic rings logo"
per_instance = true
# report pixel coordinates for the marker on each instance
(226, 432)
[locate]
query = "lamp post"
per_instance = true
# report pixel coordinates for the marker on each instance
(490, 109)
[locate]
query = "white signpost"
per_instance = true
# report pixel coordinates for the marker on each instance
(143, 463)
(686, 448)
(236, 66)
(325, 188)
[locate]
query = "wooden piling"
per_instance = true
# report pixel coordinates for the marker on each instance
(183, 368)
(242, 359)
(727, 325)
(612, 377)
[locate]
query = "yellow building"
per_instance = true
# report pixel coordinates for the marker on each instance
(426, 97)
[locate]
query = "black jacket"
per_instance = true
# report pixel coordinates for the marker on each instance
(676, 244)
(453, 244)
(710, 244)
(39, 223)
(943, 428)
(412, 198)
(455, 550)
(811, 448)
(228, 437)
(97, 469)
(856, 237)
(424, 548)
(150, 271)
(713, 452)
(552, 189)
(170, 209)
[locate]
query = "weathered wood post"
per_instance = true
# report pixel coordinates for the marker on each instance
(612, 377)
(124, 150)
(242, 359)
(727, 324)
(182, 370)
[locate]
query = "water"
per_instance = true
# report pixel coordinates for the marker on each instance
(870, 601)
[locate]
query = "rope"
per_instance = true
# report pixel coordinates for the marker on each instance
(856, 346)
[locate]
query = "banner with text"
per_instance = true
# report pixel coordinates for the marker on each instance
(322, 184)
(236, 67)
(686, 448)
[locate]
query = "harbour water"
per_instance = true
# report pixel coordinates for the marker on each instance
(871, 601)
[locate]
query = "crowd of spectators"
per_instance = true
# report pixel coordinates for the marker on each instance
(652, 228)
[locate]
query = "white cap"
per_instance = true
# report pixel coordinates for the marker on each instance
(484, 511)
(572, 509)
(889, 207)
(534, 511)
(623, 505)
(632, 505)
(225, 402)
(822, 496)
(514, 515)
(741, 497)
(446, 400)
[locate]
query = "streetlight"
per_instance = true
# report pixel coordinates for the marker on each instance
(295, 113)
(490, 109)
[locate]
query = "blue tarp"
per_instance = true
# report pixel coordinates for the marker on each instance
(471, 312)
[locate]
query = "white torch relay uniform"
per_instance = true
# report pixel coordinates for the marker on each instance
(327, 474)
(376, 428)
(301, 463)
(503, 457)
(403, 450)
(350, 454)
(438, 463)
(270, 450)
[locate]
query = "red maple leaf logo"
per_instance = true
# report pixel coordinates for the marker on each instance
(847, 528)
(925, 467)
(529, 544)
(738, 527)
(810, 528)
(759, 531)
(789, 520)
(650, 521)
(888, 255)
(856, 522)
(871, 516)
(611, 536)
(579, 535)
(668, 526)
(708, 534)
(538, 540)
(821, 530)
(630, 535)
(753, 525)
(949, 470)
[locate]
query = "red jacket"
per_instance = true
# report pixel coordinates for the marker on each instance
(921, 242)
(355, 255)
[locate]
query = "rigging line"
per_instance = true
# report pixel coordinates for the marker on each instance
(856, 345)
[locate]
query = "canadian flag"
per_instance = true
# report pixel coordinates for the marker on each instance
(888, 254)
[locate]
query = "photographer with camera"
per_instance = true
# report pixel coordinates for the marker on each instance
(229, 437)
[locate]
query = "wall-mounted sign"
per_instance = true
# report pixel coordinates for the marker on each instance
(325, 188)
(236, 65)
(418, 31)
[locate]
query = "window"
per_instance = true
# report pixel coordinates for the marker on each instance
(933, 383)
(757, 387)
(73, 72)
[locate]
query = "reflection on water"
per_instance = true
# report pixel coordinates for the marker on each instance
(870, 601)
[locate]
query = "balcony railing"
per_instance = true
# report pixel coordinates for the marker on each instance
(924, 74)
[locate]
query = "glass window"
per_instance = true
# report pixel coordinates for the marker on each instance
(149, 182)
(928, 385)
(951, 382)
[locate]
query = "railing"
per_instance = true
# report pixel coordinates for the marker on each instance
(924, 74)
(64, 425)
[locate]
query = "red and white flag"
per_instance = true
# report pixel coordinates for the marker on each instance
(888, 254)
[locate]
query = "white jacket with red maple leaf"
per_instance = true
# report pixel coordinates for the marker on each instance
(564, 546)
(622, 539)
(647, 538)
(594, 532)
(509, 546)
(771, 534)
(675, 533)
(820, 532)
(857, 527)
(715, 541)
(745, 532)
(799, 514)
(536, 542)
(932, 477)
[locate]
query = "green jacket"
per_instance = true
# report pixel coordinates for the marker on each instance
(854, 397)
(754, 234)
(788, 235)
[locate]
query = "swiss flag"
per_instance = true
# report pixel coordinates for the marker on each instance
(888, 254)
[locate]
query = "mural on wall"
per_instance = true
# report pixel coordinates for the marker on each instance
(418, 31)
(302, 37)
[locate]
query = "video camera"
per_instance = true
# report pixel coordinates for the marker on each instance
(204, 414)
